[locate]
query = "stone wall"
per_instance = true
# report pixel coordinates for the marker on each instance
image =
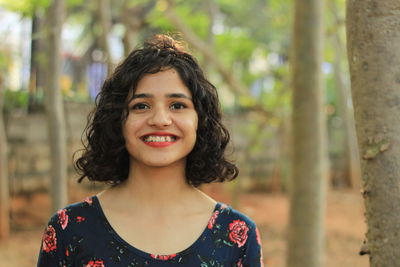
(29, 163)
(29, 148)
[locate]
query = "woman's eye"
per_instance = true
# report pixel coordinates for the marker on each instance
(140, 106)
(178, 106)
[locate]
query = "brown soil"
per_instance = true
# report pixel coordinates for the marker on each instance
(345, 226)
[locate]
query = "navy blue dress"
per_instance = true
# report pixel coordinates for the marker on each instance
(80, 235)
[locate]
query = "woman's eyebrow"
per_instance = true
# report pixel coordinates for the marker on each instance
(173, 95)
(178, 95)
(142, 96)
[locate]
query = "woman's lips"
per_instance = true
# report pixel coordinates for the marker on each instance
(159, 144)
(159, 139)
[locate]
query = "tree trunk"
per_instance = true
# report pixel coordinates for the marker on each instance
(134, 19)
(132, 26)
(352, 160)
(129, 40)
(55, 108)
(4, 189)
(373, 33)
(211, 9)
(36, 73)
(104, 16)
(306, 224)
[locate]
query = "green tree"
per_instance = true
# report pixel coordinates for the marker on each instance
(307, 203)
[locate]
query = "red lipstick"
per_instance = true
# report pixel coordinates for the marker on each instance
(159, 139)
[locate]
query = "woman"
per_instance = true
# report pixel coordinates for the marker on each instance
(155, 136)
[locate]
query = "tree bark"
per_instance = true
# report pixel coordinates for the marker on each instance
(211, 9)
(34, 71)
(131, 33)
(55, 108)
(373, 33)
(352, 160)
(4, 187)
(306, 224)
(104, 16)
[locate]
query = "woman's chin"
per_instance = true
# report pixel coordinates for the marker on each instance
(162, 163)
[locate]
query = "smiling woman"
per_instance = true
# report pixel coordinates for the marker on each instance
(155, 135)
(161, 102)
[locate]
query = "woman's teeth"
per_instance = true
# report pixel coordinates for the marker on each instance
(152, 138)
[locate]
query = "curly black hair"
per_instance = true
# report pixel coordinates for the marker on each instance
(105, 157)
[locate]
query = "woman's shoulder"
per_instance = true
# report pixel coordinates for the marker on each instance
(74, 212)
(232, 216)
(234, 228)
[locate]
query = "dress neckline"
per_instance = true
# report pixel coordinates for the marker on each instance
(149, 255)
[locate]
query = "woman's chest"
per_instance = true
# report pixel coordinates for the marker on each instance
(141, 244)
(160, 235)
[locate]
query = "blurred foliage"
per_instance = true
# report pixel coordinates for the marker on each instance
(25, 7)
(251, 39)
(4, 59)
(245, 33)
(28, 7)
(15, 100)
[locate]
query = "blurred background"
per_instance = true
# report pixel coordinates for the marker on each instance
(243, 46)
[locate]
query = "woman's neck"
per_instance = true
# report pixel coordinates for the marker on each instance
(160, 189)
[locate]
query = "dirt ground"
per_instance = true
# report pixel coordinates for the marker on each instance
(345, 226)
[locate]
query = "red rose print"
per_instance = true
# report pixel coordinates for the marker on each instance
(80, 219)
(89, 200)
(239, 263)
(212, 220)
(238, 232)
(98, 263)
(163, 257)
(49, 240)
(258, 236)
(63, 218)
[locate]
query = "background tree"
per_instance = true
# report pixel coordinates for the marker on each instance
(133, 17)
(307, 203)
(373, 35)
(36, 79)
(55, 107)
(350, 162)
(105, 21)
(243, 46)
(4, 192)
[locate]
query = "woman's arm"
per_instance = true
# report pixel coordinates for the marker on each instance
(52, 251)
(253, 255)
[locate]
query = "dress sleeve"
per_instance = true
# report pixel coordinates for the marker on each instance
(253, 255)
(52, 251)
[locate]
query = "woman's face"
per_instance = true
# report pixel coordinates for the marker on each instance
(160, 129)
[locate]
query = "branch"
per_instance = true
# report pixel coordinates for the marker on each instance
(235, 86)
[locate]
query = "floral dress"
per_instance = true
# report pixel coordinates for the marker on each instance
(80, 236)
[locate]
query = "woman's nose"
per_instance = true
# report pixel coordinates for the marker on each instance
(160, 118)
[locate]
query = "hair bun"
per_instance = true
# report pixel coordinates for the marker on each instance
(162, 41)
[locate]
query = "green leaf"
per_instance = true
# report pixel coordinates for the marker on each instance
(25, 7)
